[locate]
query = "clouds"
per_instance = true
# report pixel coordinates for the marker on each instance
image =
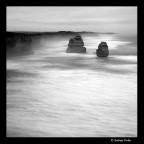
(71, 18)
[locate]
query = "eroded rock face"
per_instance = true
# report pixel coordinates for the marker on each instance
(76, 45)
(102, 50)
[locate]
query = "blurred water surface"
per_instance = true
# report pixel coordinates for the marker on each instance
(51, 93)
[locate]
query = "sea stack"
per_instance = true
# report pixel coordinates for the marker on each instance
(76, 45)
(102, 50)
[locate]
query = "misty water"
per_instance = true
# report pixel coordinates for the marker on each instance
(51, 93)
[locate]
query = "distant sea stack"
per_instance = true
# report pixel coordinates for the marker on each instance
(102, 50)
(76, 45)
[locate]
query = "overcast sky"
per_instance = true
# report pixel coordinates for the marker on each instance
(96, 19)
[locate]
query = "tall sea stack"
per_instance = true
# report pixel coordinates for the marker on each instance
(76, 45)
(102, 50)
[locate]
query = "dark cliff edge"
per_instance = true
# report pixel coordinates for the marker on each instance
(22, 43)
(18, 43)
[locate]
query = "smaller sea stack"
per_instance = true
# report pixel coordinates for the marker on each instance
(102, 50)
(76, 45)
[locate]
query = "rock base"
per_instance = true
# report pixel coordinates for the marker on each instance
(76, 50)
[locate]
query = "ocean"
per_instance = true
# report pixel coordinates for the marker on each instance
(51, 93)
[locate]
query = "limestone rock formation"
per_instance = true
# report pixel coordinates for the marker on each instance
(102, 50)
(76, 45)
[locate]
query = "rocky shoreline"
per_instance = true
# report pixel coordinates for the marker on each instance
(20, 42)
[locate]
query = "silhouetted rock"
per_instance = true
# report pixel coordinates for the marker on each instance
(102, 50)
(76, 45)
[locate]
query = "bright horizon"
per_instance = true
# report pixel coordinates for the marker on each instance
(122, 20)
